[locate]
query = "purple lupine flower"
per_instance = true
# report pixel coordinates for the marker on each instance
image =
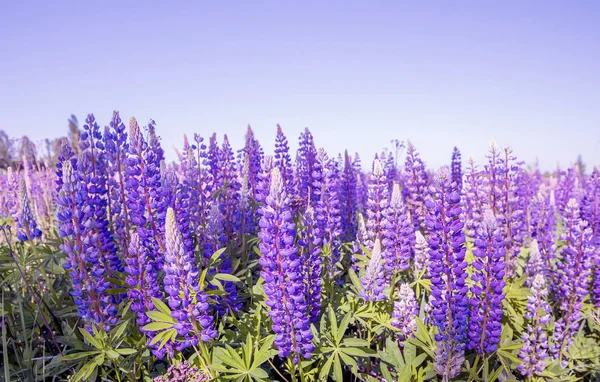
(254, 152)
(543, 230)
(568, 188)
(536, 264)
(116, 147)
(26, 226)
(373, 281)
(76, 220)
(473, 198)
(282, 160)
(348, 200)
(360, 241)
(377, 203)
(10, 204)
(281, 268)
(213, 157)
(574, 271)
(450, 305)
(143, 285)
(485, 321)
(590, 212)
(534, 352)
(361, 184)
(183, 372)
(390, 170)
(421, 258)
(144, 189)
(307, 166)
(327, 210)
(397, 234)
(228, 187)
(415, 186)
(92, 165)
(189, 304)
(264, 179)
(310, 244)
(405, 311)
(456, 168)
(215, 239)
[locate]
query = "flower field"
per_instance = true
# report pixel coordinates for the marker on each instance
(259, 264)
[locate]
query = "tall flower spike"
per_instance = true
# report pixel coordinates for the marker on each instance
(348, 200)
(307, 168)
(415, 186)
(457, 169)
(377, 203)
(188, 303)
(405, 311)
(450, 305)
(534, 352)
(397, 233)
(573, 277)
(474, 198)
(311, 259)
(281, 269)
(421, 263)
(485, 321)
(327, 211)
(282, 160)
(374, 280)
(26, 226)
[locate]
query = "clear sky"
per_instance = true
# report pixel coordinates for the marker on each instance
(441, 73)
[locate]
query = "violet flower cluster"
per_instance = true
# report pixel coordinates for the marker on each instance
(534, 352)
(282, 270)
(397, 234)
(405, 312)
(485, 321)
(449, 301)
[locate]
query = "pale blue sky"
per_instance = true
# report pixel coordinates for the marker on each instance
(358, 74)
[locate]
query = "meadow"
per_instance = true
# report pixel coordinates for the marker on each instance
(258, 264)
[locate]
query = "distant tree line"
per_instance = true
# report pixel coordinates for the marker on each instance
(14, 151)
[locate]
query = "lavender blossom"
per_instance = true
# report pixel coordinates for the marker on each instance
(26, 226)
(415, 186)
(473, 198)
(327, 211)
(348, 200)
(307, 166)
(282, 272)
(189, 304)
(535, 339)
(283, 161)
(183, 372)
(373, 281)
(377, 203)
(405, 311)
(485, 321)
(397, 233)
(456, 167)
(573, 277)
(310, 244)
(421, 261)
(449, 301)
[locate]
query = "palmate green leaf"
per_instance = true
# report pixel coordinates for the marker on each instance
(76, 356)
(333, 327)
(342, 328)
(326, 369)
(126, 351)
(216, 255)
(350, 341)
(161, 306)
(112, 354)
(227, 277)
(118, 332)
(94, 342)
(337, 369)
(359, 352)
(160, 317)
(85, 371)
(265, 352)
(157, 326)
